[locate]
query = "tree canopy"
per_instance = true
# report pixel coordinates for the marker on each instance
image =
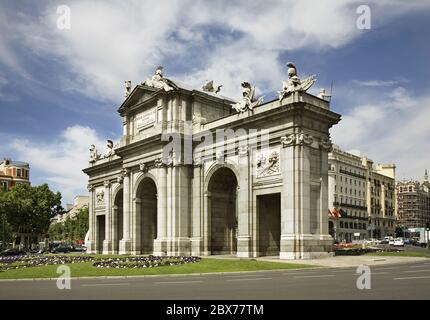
(29, 209)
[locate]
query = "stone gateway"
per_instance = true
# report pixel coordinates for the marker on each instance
(193, 174)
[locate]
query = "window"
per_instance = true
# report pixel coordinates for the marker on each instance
(18, 172)
(4, 185)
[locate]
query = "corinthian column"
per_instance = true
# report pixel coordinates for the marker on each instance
(125, 243)
(91, 245)
(160, 246)
(107, 243)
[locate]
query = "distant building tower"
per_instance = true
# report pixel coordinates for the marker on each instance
(13, 173)
(414, 203)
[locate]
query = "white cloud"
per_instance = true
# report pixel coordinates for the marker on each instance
(394, 130)
(377, 83)
(61, 161)
(229, 41)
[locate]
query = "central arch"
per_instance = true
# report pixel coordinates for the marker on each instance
(146, 219)
(222, 212)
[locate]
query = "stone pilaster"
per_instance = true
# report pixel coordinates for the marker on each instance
(107, 243)
(298, 239)
(160, 244)
(125, 243)
(244, 238)
(91, 244)
(197, 211)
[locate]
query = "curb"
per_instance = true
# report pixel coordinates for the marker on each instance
(166, 275)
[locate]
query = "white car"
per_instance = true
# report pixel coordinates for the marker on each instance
(391, 242)
(398, 243)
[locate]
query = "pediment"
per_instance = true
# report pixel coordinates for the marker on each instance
(138, 95)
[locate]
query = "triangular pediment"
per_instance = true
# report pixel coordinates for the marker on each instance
(138, 95)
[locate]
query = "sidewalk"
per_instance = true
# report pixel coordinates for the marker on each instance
(349, 261)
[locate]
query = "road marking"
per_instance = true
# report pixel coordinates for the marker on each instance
(249, 279)
(375, 273)
(104, 284)
(419, 266)
(299, 273)
(177, 282)
(243, 276)
(385, 268)
(319, 276)
(413, 271)
(409, 278)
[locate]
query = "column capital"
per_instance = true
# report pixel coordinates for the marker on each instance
(326, 144)
(106, 183)
(143, 167)
(90, 188)
(301, 139)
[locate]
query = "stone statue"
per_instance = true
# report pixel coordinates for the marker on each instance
(127, 88)
(323, 95)
(159, 82)
(294, 84)
(94, 155)
(109, 149)
(248, 101)
(209, 87)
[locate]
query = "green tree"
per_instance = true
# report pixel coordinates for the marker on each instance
(29, 208)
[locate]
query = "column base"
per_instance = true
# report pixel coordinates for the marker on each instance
(196, 246)
(107, 247)
(306, 246)
(178, 247)
(244, 247)
(125, 246)
(91, 247)
(160, 247)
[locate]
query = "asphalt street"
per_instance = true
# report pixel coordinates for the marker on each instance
(406, 281)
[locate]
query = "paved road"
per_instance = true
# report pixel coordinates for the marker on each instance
(407, 281)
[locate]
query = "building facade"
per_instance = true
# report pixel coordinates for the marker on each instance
(413, 200)
(347, 196)
(13, 173)
(260, 189)
(362, 197)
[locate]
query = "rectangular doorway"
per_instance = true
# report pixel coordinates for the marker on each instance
(269, 224)
(101, 225)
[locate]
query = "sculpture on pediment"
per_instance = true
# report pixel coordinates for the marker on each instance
(109, 149)
(268, 166)
(127, 88)
(209, 87)
(248, 101)
(159, 82)
(294, 84)
(94, 155)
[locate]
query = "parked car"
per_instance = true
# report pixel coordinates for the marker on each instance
(61, 249)
(391, 242)
(11, 252)
(399, 242)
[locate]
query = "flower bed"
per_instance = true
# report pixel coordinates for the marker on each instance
(144, 262)
(28, 261)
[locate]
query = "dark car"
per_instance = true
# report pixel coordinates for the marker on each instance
(11, 252)
(61, 249)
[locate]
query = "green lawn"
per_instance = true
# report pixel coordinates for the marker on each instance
(424, 254)
(204, 266)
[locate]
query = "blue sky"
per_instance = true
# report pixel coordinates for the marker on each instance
(60, 89)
